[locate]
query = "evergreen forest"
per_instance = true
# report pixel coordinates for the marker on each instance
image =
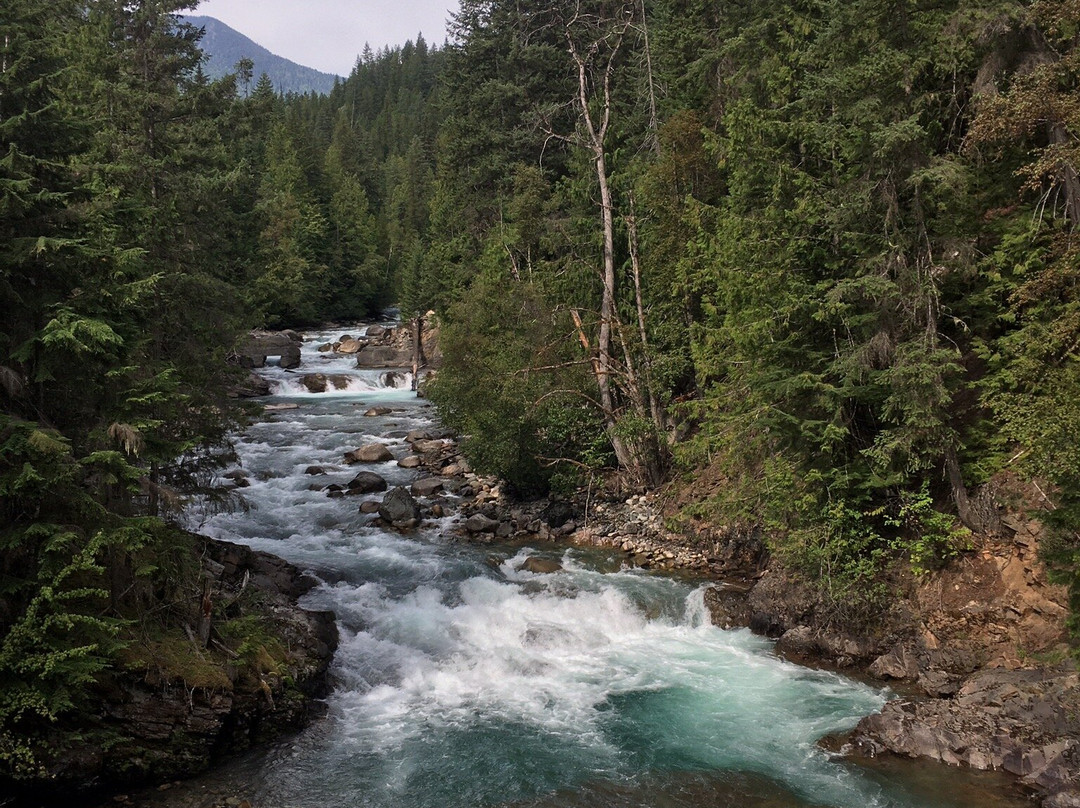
(818, 253)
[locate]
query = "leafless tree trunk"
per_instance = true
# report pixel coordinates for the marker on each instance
(605, 48)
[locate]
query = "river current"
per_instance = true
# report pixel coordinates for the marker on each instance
(461, 681)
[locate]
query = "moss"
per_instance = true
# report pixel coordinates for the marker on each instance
(172, 656)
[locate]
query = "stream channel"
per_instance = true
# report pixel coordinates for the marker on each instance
(461, 681)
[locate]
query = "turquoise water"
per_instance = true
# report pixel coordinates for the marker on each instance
(461, 681)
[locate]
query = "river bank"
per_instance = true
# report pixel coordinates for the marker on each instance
(248, 667)
(979, 646)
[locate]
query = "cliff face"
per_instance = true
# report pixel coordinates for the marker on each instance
(251, 669)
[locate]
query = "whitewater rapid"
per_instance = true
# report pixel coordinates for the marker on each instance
(462, 680)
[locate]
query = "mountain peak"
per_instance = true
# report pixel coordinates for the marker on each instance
(224, 47)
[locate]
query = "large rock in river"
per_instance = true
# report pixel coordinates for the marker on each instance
(253, 386)
(371, 453)
(254, 349)
(366, 482)
(399, 506)
(384, 356)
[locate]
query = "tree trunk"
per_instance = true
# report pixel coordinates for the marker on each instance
(417, 349)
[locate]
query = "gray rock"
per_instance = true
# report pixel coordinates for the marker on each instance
(314, 382)
(427, 486)
(799, 642)
(557, 514)
(399, 506)
(1066, 798)
(540, 566)
(253, 386)
(383, 356)
(897, 664)
(366, 482)
(478, 523)
(377, 411)
(256, 346)
(370, 453)
(938, 684)
(410, 462)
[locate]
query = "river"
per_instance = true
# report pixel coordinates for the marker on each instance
(462, 681)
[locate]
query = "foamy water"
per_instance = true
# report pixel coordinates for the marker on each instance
(462, 681)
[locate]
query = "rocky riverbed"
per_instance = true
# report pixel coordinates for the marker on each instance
(979, 647)
(976, 649)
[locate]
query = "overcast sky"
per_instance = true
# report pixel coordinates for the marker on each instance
(329, 34)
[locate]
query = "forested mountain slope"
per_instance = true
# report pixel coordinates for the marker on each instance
(225, 47)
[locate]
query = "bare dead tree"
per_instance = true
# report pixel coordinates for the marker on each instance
(595, 35)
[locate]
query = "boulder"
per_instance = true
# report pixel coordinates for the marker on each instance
(253, 386)
(897, 664)
(383, 356)
(427, 486)
(399, 506)
(349, 346)
(797, 642)
(366, 482)
(314, 470)
(280, 407)
(428, 446)
(394, 378)
(557, 514)
(314, 382)
(478, 523)
(175, 729)
(540, 566)
(410, 462)
(417, 434)
(377, 411)
(369, 506)
(326, 347)
(239, 478)
(256, 346)
(375, 331)
(371, 453)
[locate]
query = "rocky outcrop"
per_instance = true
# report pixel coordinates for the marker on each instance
(254, 349)
(185, 698)
(1026, 722)
(398, 347)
